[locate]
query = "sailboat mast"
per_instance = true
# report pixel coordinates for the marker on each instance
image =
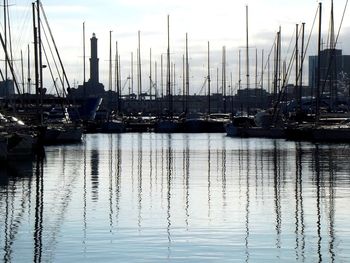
(150, 74)
(262, 69)
(247, 49)
(5, 35)
(318, 64)
(161, 77)
(302, 61)
(256, 69)
(187, 76)
(297, 63)
(224, 77)
(36, 62)
(183, 84)
(169, 73)
(110, 62)
(40, 66)
(139, 67)
(84, 57)
(209, 106)
(155, 80)
(132, 74)
(22, 69)
(117, 75)
(240, 79)
(28, 71)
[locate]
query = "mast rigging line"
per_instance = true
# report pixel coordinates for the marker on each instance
(11, 68)
(53, 58)
(54, 82)
(267, 61)
(54, 43)
(282, 91)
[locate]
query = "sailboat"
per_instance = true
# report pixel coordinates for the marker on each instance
(168, 124)
(59, 128)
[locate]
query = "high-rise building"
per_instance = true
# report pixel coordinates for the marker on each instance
(334, 71)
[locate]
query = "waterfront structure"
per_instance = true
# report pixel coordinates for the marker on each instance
(91, 88)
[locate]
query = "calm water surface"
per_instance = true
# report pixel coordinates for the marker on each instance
(179, 198)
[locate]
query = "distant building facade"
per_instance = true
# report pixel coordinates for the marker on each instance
(334, 72)
(7, 88)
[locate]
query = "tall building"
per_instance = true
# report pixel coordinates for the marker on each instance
(334, 71)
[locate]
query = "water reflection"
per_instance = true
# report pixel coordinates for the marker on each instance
(94, 162)
(178, 197)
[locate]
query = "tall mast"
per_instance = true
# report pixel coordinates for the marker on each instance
(5, 35)
(132, 72)
(297, 62)
(231, 90)
(187, 76)
(268, 74)
(22, 69)
(115, 86)
(332, 38)
(209, 106)
(301, 62)
(169, 74)
(239, 70)
(262, 69)
(256, 78)
(217, 89)
(117, 69)
(150, 74)
(84, 60)
(161, 77)
(36, 63)
(84, 57)
(239, 77)
(183, 84)
(279, 62)
(318, 64)
(139, 66)
(256, 69)
(110, 62)
(28, 70)
(247, 49)
(224, 76)
(40, 54)
(155, 80)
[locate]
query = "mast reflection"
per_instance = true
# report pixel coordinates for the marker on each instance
(247, 204)
(39, 209)
(299, 205)
(169, 157)
(139, 167)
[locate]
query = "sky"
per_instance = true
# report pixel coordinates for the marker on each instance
(221, 22)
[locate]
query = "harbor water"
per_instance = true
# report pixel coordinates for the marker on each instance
(147, 197)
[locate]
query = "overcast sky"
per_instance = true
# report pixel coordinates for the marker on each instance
(222, 22)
